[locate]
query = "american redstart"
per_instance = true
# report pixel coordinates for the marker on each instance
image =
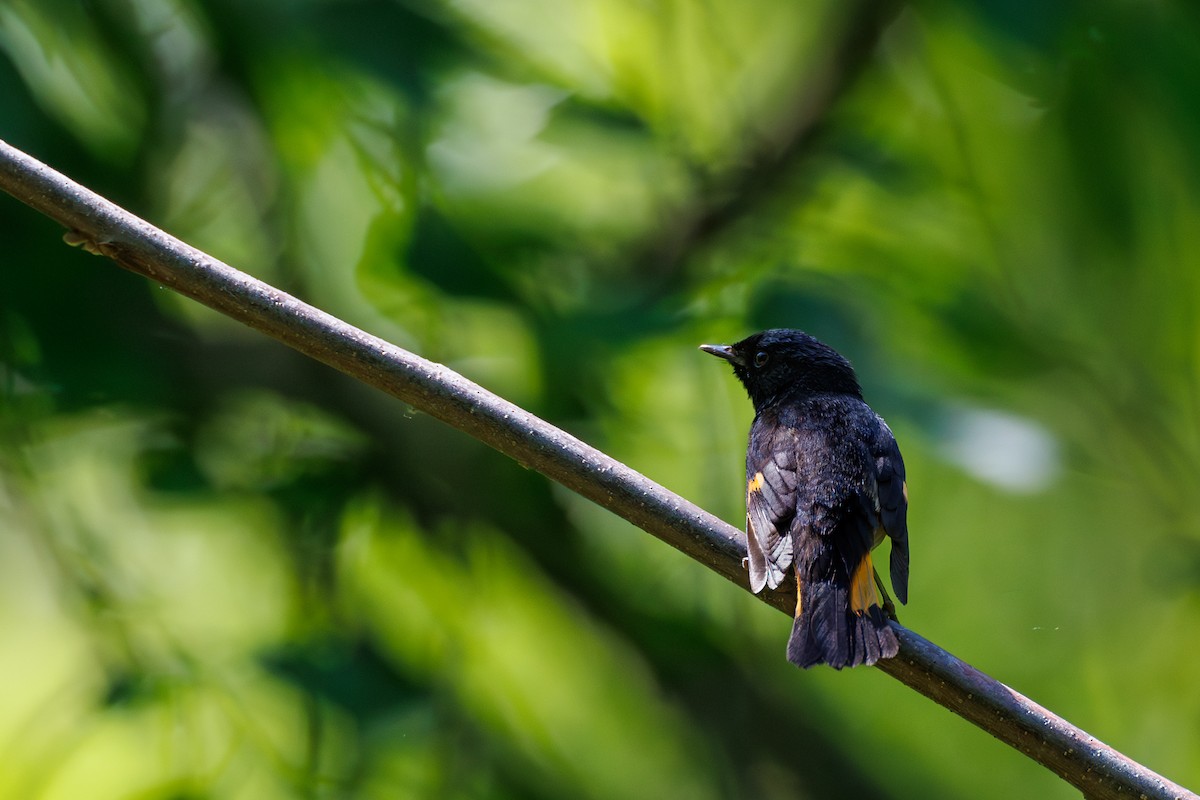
(824, 485)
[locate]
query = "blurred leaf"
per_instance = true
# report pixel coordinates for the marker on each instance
(350, 674)
(74, 75)
(513, 652)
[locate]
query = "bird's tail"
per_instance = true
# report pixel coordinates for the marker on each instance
(840, 622)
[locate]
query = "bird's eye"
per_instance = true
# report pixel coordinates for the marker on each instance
(761, 358)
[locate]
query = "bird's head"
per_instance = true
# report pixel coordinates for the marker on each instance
(781, 364)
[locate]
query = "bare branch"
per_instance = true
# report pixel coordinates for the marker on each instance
(102, 227)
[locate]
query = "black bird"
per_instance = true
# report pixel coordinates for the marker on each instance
(824, 485)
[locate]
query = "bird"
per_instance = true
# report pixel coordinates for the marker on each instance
(825, 485)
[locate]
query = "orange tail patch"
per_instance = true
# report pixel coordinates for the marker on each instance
(862, 586)
(799, 592)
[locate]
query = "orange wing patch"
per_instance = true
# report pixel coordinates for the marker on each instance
(756, 484)
(862, 587)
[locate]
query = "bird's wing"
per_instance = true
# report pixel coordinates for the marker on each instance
(893, 505)
(840, 618)
(770, 507)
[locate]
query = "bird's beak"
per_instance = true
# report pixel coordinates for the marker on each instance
(724, 351)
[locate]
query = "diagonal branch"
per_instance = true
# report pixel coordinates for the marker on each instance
(102, 227)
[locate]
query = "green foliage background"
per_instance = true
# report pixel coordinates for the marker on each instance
(228, 572)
